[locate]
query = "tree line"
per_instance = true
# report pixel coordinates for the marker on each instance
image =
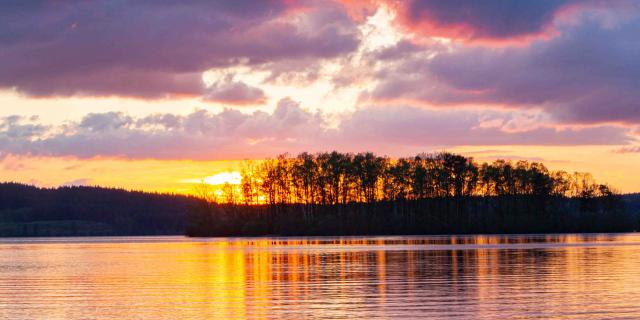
(72, 211)
(336, 194)
(332, 178)
(333, 193)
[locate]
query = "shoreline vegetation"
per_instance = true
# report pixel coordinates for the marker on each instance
(29, 211)
(360, 194)
(336, 194)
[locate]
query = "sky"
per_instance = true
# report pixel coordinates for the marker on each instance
(157, 95)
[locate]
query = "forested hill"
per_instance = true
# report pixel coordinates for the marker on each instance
(75, 211)
(632, 203)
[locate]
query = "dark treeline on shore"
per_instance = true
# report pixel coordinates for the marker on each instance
(89, 211)
(354, 194)
(336, 194)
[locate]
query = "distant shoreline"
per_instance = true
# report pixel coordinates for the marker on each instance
(441, 216)
(28, 211)
(182, 236)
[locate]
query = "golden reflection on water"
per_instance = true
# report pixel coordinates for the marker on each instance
(479, 277)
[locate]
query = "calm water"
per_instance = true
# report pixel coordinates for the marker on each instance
(479, 277)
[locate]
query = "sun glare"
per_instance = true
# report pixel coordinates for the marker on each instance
(230, 177)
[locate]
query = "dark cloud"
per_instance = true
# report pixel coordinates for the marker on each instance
(470, 19)
(588, 74)
(234, 135)
(156, 49)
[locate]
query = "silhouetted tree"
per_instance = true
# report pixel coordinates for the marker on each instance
(331, 193)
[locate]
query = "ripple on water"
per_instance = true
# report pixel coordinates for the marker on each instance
(589, 276)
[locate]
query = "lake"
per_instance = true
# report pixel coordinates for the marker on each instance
(592, 276)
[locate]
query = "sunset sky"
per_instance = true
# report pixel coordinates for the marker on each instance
(157, 95)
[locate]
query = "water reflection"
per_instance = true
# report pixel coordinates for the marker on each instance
(543, 276)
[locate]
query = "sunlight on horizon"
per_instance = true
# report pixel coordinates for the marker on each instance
(230, 177)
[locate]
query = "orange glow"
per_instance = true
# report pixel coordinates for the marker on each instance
(146, 175)
(184, 176)
(258, 278)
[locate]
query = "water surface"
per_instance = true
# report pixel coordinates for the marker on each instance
(466, 277)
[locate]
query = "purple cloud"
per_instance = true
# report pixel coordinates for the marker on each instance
(410, 126)
(479, 20)
(156, 49)
(587, 74)
(229, 91)
(234, 135)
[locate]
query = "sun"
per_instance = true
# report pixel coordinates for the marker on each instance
(221, 178)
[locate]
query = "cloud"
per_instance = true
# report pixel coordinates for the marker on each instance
(157, 49)
(229, 91)
(103, 122)
(515, 158)
(231, 134)
(15, 128)
(199, 135)
(630, 149)
(411, 126)
(588, 74)
(479, 20)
